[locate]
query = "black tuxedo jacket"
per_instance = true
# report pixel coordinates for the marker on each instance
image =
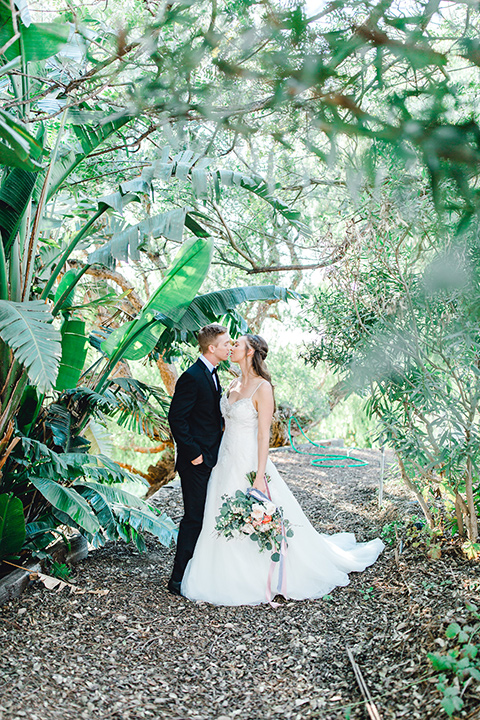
(194, 416)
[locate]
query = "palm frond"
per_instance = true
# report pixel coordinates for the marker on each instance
(135, 411)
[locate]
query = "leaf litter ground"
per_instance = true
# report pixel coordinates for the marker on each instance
(121, 647)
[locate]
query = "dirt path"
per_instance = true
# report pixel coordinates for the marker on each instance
(126, 649)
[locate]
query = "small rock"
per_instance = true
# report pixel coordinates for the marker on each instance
(301, 701)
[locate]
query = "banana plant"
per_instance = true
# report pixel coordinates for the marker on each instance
(29, 343)
(92, 500)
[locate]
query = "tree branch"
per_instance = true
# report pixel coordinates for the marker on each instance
(233, 242)
(101, 65)
(106, 274)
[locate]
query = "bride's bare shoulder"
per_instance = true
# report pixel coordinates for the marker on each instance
(264, 390)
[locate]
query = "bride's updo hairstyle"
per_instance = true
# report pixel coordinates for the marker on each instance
(260, 351)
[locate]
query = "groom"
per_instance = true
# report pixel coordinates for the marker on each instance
(196, 424)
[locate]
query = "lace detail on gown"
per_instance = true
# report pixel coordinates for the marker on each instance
(234, 572)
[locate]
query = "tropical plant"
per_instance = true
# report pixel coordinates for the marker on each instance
(12, 525)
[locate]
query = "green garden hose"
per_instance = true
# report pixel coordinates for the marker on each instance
(321, 459)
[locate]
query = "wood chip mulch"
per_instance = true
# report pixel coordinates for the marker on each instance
(122, 648)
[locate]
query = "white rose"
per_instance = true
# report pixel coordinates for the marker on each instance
(258, 511)
(248, 529)
(270, 508)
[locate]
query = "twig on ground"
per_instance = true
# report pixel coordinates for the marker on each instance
(369, 704)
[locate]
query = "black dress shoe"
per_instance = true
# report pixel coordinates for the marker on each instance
(174, 587)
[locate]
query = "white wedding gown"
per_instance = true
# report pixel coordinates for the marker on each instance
(234, 571)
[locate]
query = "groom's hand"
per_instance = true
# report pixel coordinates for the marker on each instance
(197, 461)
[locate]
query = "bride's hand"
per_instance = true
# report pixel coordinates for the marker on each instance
(259, 483)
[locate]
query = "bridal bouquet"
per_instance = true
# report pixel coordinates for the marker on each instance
(253, 515)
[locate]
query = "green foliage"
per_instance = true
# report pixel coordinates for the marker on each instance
(400, 327)
(59, 570)
(344, 113)
(74, 353)
(12, 525)
(176, 291)
(69, 502)
(26, 328)
(414, 532)
(140, 408)
(17, 147)
(81, 491)
(459, 663)
(218, 306)
(39, 41)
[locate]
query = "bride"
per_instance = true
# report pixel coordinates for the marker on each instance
(233, 571)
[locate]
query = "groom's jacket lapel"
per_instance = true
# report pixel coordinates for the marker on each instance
(208, 374)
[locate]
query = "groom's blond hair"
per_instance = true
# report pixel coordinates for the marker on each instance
(208, 335)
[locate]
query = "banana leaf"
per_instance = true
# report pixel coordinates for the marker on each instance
(19, 185)
(90, 134)
(137, 338)
(131, 510)
(142, 520)
(68, 501)
(39, 40)
(58, 420)
(126, 243)
(63, 286)
(216, 306)
(15, 193)
(113, 493)
(12, 525)
(26, 328)
(205, 309)
(74, 353)
(103, 511)
(186, 165)
(17, 146)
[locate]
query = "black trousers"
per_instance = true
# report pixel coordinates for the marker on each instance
(194, 480)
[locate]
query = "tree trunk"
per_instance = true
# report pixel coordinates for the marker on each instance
(418, 495)
(168, 374)
(472, 520)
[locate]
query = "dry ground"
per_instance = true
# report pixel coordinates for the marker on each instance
(126, 649)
